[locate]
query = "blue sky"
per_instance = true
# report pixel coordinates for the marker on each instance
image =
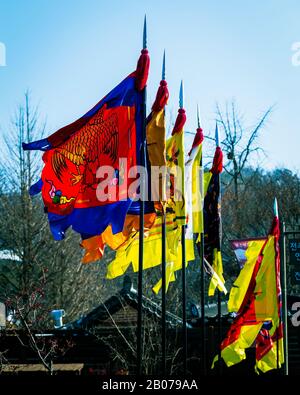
(71, 53)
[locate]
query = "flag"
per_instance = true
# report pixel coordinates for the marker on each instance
(269, 350)
(94, 246)
(107, 136)
(259, 306)
(156, 128)
(240, 286)
(128, 254)
(190, 171)
(212, 222)
(156, 145)
(174, 261)
(194, 183)
(175, 163)
(155, 135)
(197, 185)
(240, 248)
(269, 344)
(192, 167)
(215, 279)
(177, 202)
(240, 336)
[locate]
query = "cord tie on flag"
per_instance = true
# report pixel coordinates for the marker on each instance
(217, 166)
(199, 137)
(180, 121)
(162, 96)
(142, 70)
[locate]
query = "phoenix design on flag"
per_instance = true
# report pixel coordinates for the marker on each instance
(97, 138)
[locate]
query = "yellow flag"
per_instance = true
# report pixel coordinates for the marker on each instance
(175, 265)
(128, 253)
(197, 192)
(240, 286)
(218, 269)
(235, 351)
(175, 161)
(156, 138)
(266, 301)
(94, 246)
(215, 279)
(256, 298)
(268, 360)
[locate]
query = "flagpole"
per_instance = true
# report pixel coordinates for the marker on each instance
(163, 266)
(284, 298)
(218, 291)
(275, 210)
(202, 278)
(141, 225)
(184, 329)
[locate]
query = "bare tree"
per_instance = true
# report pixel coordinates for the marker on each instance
(253, 215)
(24, 232)
(240, 142)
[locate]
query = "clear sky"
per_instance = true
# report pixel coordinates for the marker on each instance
(71, 53)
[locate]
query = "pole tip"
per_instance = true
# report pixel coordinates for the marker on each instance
(145, 33)
(217, 135)
(275, 207)
(198, 117)
(163, 73)
(181, 95)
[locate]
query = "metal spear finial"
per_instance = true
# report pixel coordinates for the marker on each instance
(275, 208)
(217, 135)
(198, 117)
(163, 73)
(181, 95)
(145, 34)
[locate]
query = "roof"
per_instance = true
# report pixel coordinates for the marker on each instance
(38, 367)
(127, 296)
(116, 307)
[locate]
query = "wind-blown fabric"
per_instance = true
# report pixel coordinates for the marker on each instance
(128, 254)
(155, 133)
(259, 307)
(269, 350)
(212, 223)
(94, 246)
(240, 286)
(156, 127)
(175, 162)
(195, 182)
(69, 183)
(240, 247)
(177, 200)
(189, 171)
